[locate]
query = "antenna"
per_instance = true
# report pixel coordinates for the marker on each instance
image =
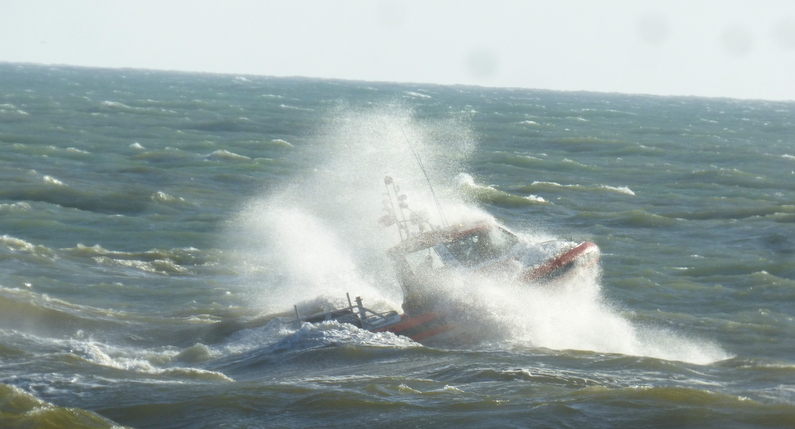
(422, 167)
(391, 217)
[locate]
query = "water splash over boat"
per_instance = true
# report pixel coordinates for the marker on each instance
(317, 237)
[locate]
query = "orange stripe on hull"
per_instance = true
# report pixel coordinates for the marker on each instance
(438, 330)
(408, 322)
(560, 261)
(420, 327)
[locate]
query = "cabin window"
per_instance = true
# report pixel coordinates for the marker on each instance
(481, 247)
(502, 239)
(472, 249)
(424, 260)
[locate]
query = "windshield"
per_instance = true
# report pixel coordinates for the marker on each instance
(424, 260)
(481, 246)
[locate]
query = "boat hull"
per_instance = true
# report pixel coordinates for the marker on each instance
(423, 328)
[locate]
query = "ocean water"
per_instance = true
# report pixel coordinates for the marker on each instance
(157, 228)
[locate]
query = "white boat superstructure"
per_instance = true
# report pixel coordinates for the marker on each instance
(428, 254)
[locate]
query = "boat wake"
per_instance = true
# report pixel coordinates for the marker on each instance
(316, 239)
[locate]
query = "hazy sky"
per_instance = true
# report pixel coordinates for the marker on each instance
(729, 48)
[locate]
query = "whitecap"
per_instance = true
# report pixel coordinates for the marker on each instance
(535, 198)
(115, 104)
(417, 94)
(619, 189)
(788, 156)
(76, 150)
(164, 197)
(140, 361)
(20, 206)
(14, 243)
(281, 142)
(53, 181)
(137, 145)
(403, 388)
(570, 161)
(158, 266)
(225, 155)
(452, 389)
(11, 109)
(285, 106)
(196, 373)
(467, 185)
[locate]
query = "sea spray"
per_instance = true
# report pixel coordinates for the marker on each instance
(568, 314)
(318, 235)
(318, 240)
(307, 258)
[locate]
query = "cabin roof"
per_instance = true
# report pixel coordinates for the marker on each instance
(424, 240)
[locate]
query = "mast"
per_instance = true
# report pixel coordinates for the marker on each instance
(427, 179)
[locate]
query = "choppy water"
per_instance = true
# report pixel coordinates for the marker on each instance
(154, 225)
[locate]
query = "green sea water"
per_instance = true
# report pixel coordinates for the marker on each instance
(157, 228)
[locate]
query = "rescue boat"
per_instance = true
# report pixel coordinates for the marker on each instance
(428, 256)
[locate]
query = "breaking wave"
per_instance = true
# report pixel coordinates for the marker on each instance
(489, 195)
(576, 187)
